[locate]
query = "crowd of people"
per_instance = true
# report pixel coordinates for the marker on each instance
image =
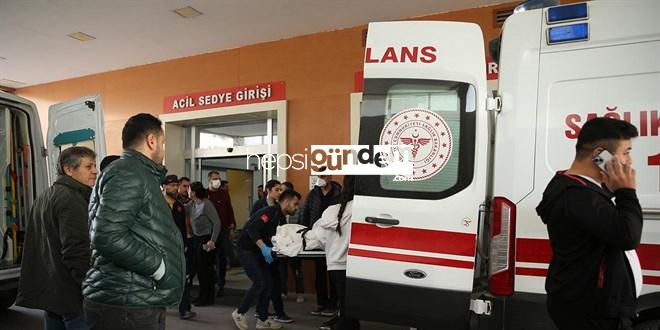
(112, 249)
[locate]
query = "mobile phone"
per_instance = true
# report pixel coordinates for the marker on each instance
(602, 158)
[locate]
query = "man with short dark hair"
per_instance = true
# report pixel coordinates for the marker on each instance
(594, 222)
(184, 188)
(222, 202)
(56, 251)
(137, 250)
(254, 250)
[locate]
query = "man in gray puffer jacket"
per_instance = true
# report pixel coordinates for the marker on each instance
(137, 251)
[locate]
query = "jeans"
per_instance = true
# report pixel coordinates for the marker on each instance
(338, 277)
(65, 321)
(109, 317)
(259, 273)
(323, 297)
(184, 305)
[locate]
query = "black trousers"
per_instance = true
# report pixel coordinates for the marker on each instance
(109, 317)
(338, 277)
(204, 267)
(571, 319)
(324, 297)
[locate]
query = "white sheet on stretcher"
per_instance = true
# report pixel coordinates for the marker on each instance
(289, 242)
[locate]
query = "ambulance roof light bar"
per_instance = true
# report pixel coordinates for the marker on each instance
(567, 13)
(568, 33)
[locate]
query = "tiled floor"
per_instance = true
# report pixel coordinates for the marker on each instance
(211, 317)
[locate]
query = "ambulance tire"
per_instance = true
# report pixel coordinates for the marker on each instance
(648, 325)
(7, 298)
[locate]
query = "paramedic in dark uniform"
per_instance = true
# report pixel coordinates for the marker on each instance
(254, 251)
(594, 277)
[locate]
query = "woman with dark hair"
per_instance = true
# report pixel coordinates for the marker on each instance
(206, 228)
(334, 228)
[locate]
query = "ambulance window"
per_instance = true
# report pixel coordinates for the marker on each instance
(453, 102)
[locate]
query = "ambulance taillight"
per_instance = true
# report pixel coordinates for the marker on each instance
(502, 247)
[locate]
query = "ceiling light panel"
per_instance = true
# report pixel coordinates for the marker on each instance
(81, 36)
(188, 12)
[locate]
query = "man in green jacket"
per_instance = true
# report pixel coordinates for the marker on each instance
(56, 252)
(137, 251)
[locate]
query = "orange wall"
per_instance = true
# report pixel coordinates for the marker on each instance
(318, 70)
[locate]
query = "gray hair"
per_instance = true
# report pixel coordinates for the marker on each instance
(71, 157)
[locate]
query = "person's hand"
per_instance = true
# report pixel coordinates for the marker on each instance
(267, 253)
(619, 175)
(210, 245)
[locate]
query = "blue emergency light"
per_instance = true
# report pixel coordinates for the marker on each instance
(572, 12)
(568, 33)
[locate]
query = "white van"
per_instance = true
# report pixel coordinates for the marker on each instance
(23, 167)
(465, 248)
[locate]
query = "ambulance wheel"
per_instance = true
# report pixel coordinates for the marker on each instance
(7, 298)
(648, 325)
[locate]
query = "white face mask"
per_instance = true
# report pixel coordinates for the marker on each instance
(320, 182)
(215, 184)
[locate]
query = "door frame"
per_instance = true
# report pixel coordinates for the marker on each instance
(176, 123)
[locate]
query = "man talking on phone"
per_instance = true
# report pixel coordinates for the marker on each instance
(594, 223)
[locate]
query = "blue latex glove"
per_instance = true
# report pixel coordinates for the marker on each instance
(266, 252)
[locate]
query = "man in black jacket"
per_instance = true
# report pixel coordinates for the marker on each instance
(254, 250)
(56, 255)
(594, 276)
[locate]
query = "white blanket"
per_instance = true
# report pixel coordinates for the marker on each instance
(289, 242)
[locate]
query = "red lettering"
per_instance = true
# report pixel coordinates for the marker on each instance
(571, 122)
(655, 122)
(643, 122)
(390, 55)
(591, 116)
(626, 117)
(428, 53)
(368, 58)
(406, 53)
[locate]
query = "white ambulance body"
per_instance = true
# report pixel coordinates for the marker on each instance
(465, 248)
(23, 167)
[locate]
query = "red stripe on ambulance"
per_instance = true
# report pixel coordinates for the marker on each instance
(410, 258)
(424, 240)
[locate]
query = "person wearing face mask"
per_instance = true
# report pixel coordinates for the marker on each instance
(222, 202)
(325, 193)
(56, 251)
(170, 191)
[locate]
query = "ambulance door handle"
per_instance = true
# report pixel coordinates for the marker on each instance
(382, 221)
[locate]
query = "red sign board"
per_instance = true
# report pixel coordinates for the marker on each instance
(257, 93)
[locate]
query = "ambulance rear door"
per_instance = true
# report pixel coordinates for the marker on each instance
(411, 258)
(75, 123)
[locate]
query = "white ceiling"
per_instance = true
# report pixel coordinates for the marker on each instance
(36, 48)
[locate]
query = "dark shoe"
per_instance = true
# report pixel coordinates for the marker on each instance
(220, 293)
(283, 318)
(187, 315)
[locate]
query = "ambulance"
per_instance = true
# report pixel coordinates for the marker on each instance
(458, 244)
(26, 164)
